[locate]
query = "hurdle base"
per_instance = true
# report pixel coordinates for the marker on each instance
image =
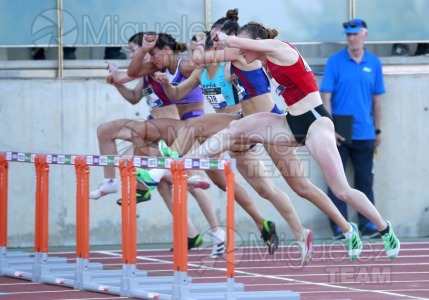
(182, 288)
(185, 291)
(229, 290)
(233, 291)
(144, 287)
(25, 266)
(272, 295)
(8, 259)
(66, 274)
(122, 282)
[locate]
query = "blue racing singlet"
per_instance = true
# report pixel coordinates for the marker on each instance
(254, 82)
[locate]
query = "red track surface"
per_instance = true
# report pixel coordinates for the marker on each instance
(330, 275)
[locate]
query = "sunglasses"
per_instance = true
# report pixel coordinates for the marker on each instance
(351, 24)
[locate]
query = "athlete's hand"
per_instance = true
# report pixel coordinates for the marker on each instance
(149, 41)
(162, 78)
(221, 38)
(109, 79)
(201, 38)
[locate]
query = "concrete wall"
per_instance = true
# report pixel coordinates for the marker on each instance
(61, 116)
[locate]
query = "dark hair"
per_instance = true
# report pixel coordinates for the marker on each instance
(257, 30)
(165, 39)
(209, 43)
(137, 39)
(228, 24)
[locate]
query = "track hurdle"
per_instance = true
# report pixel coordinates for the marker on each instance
(129, 281)
(180, 285)
(39, 267)
(9, 260)
(183, 288)
(106, 281)
(164, 287)
(230, 290)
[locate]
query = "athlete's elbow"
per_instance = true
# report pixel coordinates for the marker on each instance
(134, 101)
(132, 73)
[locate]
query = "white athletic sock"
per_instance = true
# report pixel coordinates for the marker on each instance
(349, 233)
(157, 174)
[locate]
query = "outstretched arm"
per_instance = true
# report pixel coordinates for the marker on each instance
(275, 50)
(120, 77)
(201, 56)
(116, 76)
(133, 96)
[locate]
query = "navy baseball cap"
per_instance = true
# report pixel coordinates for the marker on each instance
(354, 26)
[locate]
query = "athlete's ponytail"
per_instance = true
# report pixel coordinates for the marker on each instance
(228, 24)
(257, 30)
(165, 39)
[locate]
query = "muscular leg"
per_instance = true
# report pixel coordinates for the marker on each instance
(227, 139)
(200, 129)
(289, 165)
(152, 131)
(241, 195)
(142, 134)
(253, 129)
(107, 133)
(164, 189)
(147, 133)
(269, 129)
(251, 167)
(323, 148)
(206, 206)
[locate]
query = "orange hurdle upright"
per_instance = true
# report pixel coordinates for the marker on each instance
(82, 208)
(41, 235)
(42, 204)
(128, 210)
(4, 167)
(180, 213)
(230, 226)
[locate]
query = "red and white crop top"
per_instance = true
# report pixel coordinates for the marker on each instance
(293, 82)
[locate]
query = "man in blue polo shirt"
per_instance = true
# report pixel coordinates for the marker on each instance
(352, 85)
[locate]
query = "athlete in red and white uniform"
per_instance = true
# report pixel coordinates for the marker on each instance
(307, 121)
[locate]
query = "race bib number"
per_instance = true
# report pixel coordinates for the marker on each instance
(215, 98)
(151, 98)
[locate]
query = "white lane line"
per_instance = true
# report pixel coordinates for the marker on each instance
(387, 293)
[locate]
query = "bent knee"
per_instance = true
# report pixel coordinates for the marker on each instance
(267, 191)
(219, 183)
(103, 129)
(342, 193)
(301, 186)
(234, 128)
